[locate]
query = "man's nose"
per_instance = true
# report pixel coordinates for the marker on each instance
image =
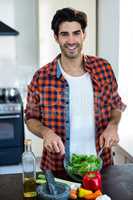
(71, 39)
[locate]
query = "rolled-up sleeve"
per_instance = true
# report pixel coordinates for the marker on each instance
(32, 103)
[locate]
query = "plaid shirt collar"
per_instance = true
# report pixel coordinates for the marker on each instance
(87, 64)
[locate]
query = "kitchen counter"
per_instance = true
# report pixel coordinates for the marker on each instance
(117, 183)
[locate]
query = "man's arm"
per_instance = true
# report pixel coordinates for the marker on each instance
(36, 127)
(115, 117)
(110, 137)
(52, 142)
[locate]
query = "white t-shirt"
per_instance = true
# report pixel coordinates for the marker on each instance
(82, 123)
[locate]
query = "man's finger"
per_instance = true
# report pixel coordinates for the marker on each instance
(107, 143)
(49, 148)
(115, 142)
(101, 141)
(111, 142)
(56, 147)
(61, 147)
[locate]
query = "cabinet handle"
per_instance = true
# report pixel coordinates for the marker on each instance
(9, 116)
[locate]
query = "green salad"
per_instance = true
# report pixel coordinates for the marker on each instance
(80, 164)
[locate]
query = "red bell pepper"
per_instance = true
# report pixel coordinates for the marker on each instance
(92, 181)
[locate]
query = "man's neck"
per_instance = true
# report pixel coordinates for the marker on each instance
(72, 67)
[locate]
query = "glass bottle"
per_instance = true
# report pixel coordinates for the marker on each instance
(29, 170)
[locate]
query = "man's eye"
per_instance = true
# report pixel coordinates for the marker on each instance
(77, 33)
(64, 34)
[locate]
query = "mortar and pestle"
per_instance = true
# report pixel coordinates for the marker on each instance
(52, 190)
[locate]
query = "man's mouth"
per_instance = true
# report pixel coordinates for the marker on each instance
(71, 47)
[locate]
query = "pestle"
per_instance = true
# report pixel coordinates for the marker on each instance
(50, 182)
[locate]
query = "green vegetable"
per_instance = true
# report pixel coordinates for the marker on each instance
(80, 164)
(41, 176)
(40, 179)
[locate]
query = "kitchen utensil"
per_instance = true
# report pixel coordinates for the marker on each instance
(101, 151)
(52, 190)
(50, 182)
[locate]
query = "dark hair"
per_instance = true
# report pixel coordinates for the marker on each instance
(68, 14)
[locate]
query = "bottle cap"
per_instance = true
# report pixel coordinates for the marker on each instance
(28, 141)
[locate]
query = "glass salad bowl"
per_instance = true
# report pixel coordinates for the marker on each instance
(80, 164)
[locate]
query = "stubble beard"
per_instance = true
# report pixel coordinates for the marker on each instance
(71, 55)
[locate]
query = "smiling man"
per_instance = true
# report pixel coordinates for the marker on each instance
(70, 38)
(73, 102)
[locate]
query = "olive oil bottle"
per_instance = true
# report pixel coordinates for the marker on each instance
(29, 170)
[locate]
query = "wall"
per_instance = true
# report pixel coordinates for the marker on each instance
(115, 44)
(26, 20)
(19, 54)
(126, 73)
(7, 44)
(108, 31)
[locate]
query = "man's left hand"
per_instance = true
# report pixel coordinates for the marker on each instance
(109, 137)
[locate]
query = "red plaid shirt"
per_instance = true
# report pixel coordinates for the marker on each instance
(48, 101)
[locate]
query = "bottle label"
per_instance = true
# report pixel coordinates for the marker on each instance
(30, 194)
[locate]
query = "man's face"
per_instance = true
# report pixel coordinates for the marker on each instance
(70, 39)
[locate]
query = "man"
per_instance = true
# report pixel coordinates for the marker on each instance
(72, 102)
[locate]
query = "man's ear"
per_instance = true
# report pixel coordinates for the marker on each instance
(55, 37)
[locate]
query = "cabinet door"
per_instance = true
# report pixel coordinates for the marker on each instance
(47, 8)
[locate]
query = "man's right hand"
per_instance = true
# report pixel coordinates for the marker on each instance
(53, 143)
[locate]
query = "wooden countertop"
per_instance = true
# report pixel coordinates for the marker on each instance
(117, 183)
